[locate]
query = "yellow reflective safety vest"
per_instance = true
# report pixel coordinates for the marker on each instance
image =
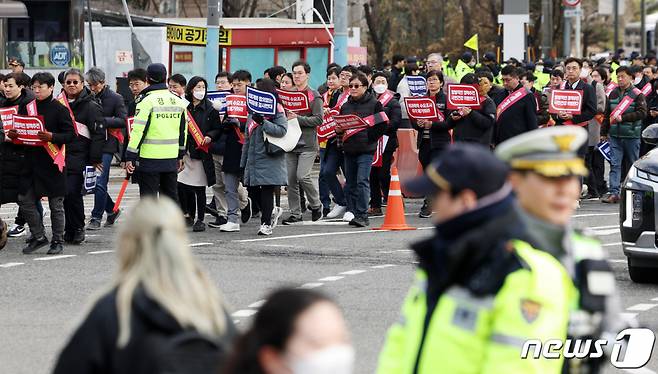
(462, 69)
(160, 126)
(469, 334)
(542, 80)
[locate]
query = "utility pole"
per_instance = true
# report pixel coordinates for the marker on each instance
(212, 39)
(579, 46)
(340, 32)
(566, 43)
(643, 28)
(547, 28)
(615, 15)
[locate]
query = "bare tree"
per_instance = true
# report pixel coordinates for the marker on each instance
(378, 29)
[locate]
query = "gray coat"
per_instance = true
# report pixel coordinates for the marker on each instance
(261, 169)
(309, 123)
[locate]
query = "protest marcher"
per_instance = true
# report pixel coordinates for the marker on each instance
(594, 160)
(198, 171)
(380, 176)
(411, 69)
(158, 138)
(41, 175)
(162, 313)
(16, 65)
(397, 71)
(223, 81)
(474, 125)
(300, 160)
(528, 81)
(287, 82)
(359, 145)
(480, 291)
(622, 127)
(433, 135)
(114, 119)
(265, 168)
(176, 84)
(573, 81)
(275, 73)
(137, 82)
(85, 150)
(295, 331)
(517, 109)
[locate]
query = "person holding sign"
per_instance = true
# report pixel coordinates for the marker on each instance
(622, 127)
(199, 170)
(300, 160)
(411, 69)
(474, 125)
(573, 68)
(43, 173)
(359, 145)
(517, 111)
(433, 135)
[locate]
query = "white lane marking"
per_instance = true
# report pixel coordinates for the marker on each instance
(606, 232)
(611, 244)
(311, 235)
(257, 304)
(308, 286)
(654, 299)
(594, 215)
(382, 266)
(53, 257)
(353, 272)
(603, 227)
(617, 261)
(244, 313)
(640, 371)
(100, 252)
(628, 316)
(200, 244)
(641, 307)
(321, 223)
(330, 279)
(11, 264)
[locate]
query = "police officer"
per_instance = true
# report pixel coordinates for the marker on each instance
(157, 140)
(480, 293)
(546, 171)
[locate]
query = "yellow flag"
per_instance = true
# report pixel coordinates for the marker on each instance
(472, 43)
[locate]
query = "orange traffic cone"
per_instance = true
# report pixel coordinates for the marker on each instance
(394, 219)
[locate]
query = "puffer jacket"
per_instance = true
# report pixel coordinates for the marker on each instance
(261, 169)
(82, 151)
(12, 156)
(365, 141)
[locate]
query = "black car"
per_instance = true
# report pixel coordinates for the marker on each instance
(637, 216)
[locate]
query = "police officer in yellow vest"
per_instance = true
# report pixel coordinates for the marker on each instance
(479, 292)
(546, 171)
(157, 140)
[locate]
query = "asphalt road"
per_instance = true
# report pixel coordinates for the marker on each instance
(368, 272)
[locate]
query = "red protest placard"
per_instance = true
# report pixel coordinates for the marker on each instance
(350, 122)
(28, 128)
(327, 129)
(565, 101)
(462, 96)
(6, 116)
(420, 108)
(293, 101)
(236, 106)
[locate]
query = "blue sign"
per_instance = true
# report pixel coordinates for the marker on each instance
(604, 148)
(60, 55)
(90, 177)
(261, 102)
(417, 85)
(218, 99)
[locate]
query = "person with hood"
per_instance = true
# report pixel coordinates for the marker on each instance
(433, 135)
(199, 169)
(85, 150)
(264, 166)
(359, 145)
(114, 118)
(43, 174)
(474, 125)
(158, 138)
(480, 290)
(380, 176)
(162, 313)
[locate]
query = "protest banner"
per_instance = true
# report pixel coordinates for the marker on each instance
(565, 101)
(236, 106)
(218, 100)
(417, 85)
(350, 122)
(261, 102)
(327, 129)
(462, 96)
(294, 101)
(7, 116)
(420, 108)
(28, 128)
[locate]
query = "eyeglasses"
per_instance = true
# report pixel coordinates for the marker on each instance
(355, 85)
(72, 83)
(14, 65)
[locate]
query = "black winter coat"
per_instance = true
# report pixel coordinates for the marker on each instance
(93, 347)
(232, 144)
(114, 117)
(476, 127)
(518, 118)
(588, 107)
(394, 114)
(82, 151)
(439, 135)
(207, 118)
(12, 156)
(365, 141)
(40, 172)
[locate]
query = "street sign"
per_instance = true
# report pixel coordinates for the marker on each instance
(570, 2)
(573, 13)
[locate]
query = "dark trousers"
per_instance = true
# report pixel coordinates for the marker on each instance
(20, 216)
(330, 161)
(427, 154)
(265, 197)
(253, 194)
(74, 206)
(596, 166)
(380, 180)
(152, 184)
(192, 200)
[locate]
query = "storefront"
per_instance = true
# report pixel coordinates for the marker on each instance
(253, 44)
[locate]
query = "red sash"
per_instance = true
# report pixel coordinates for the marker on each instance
(79, 128)
(386, 97)
(510, 100)
(196, 133)
(342, 99)
(646, 90)
(623, 105)
(370, 120)
(611, 86)
(58, 155)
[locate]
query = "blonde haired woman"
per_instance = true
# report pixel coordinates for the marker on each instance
(160, 310)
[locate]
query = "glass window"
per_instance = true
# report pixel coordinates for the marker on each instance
(254, 60)
(286, 57)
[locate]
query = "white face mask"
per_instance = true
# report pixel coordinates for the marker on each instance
(380, 88)
(198, 94)
(338, 359)
(637, 80)
(539, 68)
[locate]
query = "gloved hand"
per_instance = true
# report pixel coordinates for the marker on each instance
(258, 118)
